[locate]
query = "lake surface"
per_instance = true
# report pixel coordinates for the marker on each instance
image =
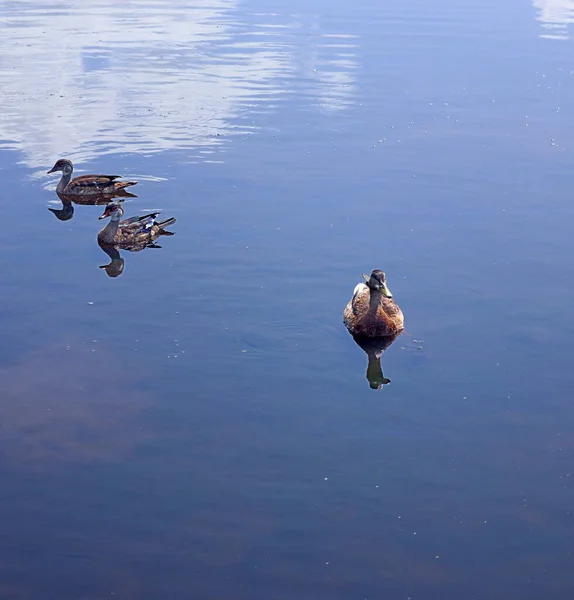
(201, 425)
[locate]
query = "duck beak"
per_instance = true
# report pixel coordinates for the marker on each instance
(385, 290)
(52, 169)
(106, 214)
(365, 277)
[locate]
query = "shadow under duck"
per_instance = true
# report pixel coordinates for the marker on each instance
(86, 184)
(372, 312)
(134, 233)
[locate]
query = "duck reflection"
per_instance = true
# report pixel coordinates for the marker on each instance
(66, 212)
(68, 200)
(116, 265)
(374, 348)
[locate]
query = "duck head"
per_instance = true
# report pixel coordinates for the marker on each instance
(64, 165)
(378, 281)
(114, 210)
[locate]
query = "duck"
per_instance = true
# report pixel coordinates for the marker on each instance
(372, 312)
(86, 184)
(133, 233)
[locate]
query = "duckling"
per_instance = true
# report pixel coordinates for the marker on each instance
(86, 184)
(372, 312)
(132, 233)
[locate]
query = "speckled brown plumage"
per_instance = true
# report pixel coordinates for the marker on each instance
(133, 233)
(96, 184)
(370, 314)
(87, 185)
(129, 240)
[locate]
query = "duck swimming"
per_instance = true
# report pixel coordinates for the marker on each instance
(134, 232)
(372, 312)
(86, 184)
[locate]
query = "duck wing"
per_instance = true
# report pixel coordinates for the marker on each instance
(135, 225)
(98, 182)
(361, 300)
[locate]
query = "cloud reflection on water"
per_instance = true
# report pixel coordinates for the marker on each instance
(106, 77)
(555, 16)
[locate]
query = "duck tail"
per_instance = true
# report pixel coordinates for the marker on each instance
(122, 193)
(120, 185)
(166, 223)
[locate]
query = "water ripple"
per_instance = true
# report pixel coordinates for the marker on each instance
(555, 16)
(284, 337)
(99, 79)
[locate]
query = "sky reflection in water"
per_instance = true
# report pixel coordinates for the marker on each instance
(106, 79)
(203, 424)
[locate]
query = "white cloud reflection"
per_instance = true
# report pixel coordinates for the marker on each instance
(555, 16)
(141, 76)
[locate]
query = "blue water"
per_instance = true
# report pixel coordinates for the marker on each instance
(201, 426)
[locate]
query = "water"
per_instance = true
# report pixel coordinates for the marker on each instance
(201, 425)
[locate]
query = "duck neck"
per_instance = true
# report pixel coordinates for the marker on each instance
(66, 176)
(375, 300)
(108, 234)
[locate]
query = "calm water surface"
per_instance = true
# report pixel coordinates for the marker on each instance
(201, 425)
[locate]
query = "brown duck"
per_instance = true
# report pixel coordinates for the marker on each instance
(86, 184)
(372, 312)
(132, 233)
